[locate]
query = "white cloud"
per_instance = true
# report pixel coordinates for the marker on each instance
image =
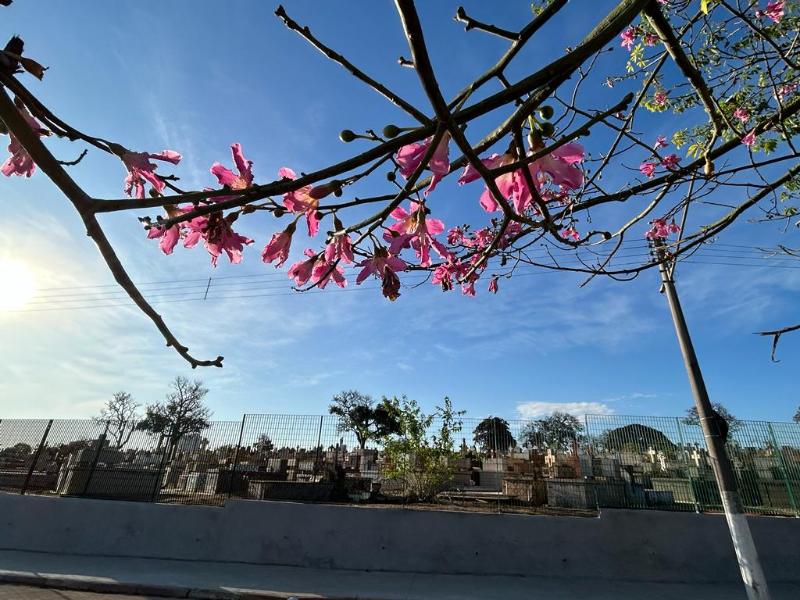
(534, 410)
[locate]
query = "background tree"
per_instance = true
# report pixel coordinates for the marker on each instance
(796, 417)
(493, 434)
(419, 454)
(264, 445)
(358, 413)
(733, 423)
(121, 413)
(635, 438)
(17, 451)
(557, 432)
(180, 413)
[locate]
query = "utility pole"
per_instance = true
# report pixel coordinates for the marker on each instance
(753, 576)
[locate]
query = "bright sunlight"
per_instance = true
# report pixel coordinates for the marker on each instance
(17, 285)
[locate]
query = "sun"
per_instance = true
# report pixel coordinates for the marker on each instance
(17, 285)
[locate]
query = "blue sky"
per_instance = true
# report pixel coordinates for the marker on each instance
(197, 76)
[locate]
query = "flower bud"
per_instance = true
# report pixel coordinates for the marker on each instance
(347, 136)
(391, 176)
(546, 112)
(547, 129)
(391, 131)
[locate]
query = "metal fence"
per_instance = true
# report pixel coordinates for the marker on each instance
(665, 464)
(487, 465)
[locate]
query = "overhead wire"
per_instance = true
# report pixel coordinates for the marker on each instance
(230, 287)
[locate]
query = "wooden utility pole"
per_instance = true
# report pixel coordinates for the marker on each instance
(715, 433)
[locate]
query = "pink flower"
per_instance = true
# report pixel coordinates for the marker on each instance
(340, 248)
(414, 229)
(749, 139)
(384, 266)
(786, 89)
(628, 37)
(140, 169)
(455, 235)
(660, 98)
(650, 39)
(218, 237)
(470, 173)
(20, 162)
(480, 239)
(305, 200)
(409, 158)
(443, 275)
(325, 271)
(742, 114)
(661, 142)
(228, 178)
(493, 284)
(570, 233)
(670, 161)
(278, 247)
(774, 10)
(647, 168)
(660, 229)
(507, 184)
(301, 271)
(170, 236)
(454, 268)
(558, 167)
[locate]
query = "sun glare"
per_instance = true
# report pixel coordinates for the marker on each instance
(17, 285)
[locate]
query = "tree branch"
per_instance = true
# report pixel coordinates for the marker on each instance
(776, 336)
(306, 34)
(82, 203)
(470, 23)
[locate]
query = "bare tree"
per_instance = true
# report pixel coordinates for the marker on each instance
(180, 413)
(121, 414)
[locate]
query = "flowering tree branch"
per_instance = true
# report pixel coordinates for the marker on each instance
(730, 72)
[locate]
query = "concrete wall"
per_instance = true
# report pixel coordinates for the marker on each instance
(631, 545)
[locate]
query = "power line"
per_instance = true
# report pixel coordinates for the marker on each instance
(267, 289)
(185, 285)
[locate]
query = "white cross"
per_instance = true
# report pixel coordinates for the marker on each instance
(695, 456)
(652, 454)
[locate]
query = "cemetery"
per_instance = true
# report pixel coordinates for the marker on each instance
(606, 471)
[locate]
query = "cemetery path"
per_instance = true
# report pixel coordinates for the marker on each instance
(43, 576)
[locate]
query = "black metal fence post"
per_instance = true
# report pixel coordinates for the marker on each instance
(236, 457)
(319, 449)
(159, 475)
(36, 456)
(101, 439)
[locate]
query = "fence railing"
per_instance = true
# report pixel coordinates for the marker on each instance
(489, 464)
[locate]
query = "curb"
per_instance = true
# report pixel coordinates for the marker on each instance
(94, 584)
